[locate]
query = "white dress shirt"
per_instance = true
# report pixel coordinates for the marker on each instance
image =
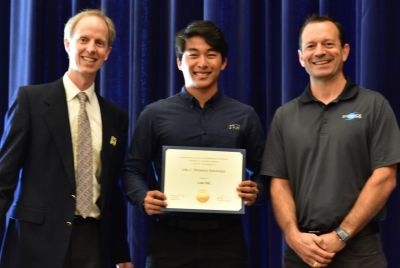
(93, 111)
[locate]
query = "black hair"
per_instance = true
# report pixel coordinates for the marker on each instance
(205, 29)
(317, 18)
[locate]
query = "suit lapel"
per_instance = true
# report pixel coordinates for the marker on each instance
(58, 122)
(106, 128)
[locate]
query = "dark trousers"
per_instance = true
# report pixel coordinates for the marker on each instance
(364, 251)
(182, 248)
(84, 246)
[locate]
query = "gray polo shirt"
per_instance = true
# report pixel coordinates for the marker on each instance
(328, 152)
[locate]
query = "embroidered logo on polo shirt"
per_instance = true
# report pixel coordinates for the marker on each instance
(234, 127)
(352, 116)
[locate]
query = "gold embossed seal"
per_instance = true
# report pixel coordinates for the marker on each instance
(202, 196)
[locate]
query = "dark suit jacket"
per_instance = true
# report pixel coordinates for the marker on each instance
(37, 182)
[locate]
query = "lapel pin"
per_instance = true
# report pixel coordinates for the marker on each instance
(113, 141)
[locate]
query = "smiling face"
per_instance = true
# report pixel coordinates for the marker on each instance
(200, 65)
(87, 47)
(321, 53)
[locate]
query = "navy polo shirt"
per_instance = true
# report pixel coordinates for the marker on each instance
(180, 121)
(328, 152)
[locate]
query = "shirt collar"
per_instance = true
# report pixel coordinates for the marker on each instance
(350, 90)
(187, 97)
(71, 90)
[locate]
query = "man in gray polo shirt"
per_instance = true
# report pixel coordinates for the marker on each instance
(332, 156)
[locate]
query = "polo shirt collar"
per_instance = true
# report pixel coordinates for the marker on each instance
(350, 90)
(187, 97)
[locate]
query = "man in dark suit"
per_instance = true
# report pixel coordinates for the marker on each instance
(41, 174)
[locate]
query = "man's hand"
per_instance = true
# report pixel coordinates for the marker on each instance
(153, 202)
(307, 248)
(331, 243)
(125, 265)
(248, 190)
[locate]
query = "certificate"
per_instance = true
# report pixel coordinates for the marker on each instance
(197, 179)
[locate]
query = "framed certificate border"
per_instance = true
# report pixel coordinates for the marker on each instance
(214, 172)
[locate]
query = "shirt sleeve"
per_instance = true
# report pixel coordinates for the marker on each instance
(254, 144)
(385, 136)
(13, 149)
(138, 159)
(274, 160)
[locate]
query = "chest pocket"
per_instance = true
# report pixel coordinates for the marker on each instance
(28, 214)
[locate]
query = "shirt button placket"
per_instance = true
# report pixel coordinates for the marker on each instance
(324, 122)
(203, 128)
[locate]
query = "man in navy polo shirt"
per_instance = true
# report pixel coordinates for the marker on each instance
(199, 116)
(332, 156)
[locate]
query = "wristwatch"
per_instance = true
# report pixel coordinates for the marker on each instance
(342, 234)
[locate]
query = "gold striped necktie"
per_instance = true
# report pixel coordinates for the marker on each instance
(84, 173)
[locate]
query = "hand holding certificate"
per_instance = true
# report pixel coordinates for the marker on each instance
(203, 179)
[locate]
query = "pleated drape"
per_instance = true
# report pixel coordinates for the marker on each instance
(263, 69)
